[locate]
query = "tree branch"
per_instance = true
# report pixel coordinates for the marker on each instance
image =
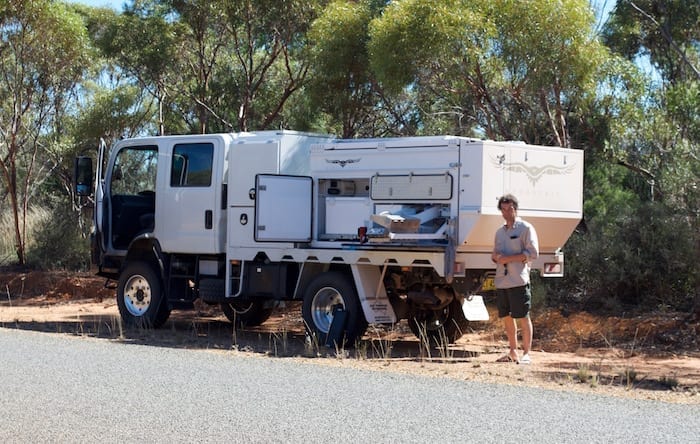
(665, 34)
(637, 169)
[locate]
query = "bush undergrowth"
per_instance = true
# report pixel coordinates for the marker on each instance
(54, 240)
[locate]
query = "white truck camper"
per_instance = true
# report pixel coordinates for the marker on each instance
(362, 231)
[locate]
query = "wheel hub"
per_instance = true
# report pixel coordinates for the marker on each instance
(325, 302)
(137, 295)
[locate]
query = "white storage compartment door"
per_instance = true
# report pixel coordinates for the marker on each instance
(245, 161)
(283, 206)
(412, 187)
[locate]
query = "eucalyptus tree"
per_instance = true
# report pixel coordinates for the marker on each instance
(425, 48)
(44, 51)
(664, 146)
(223, 64)
(202, 42)
(661, 145)
(264, 65)
(505, 69)
(144, 44)
(665, 31)
(642, 244)
(342, 85)
(123, 92)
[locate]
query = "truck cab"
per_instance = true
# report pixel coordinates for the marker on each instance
(164, 193)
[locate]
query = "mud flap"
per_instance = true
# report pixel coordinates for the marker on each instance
(372, 294)
(337, 328)
(474, 308)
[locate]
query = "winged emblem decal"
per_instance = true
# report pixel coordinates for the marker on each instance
(534, 173)
(342, 163)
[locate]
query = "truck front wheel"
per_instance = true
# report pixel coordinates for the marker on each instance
(246, 313)
(327, 293)
(140, 297)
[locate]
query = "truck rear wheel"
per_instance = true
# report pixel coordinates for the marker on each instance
(140, 297)
(246, 313)
(327, 293)
(440, 327)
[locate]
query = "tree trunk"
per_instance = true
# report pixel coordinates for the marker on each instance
(696, 303)
(11, 179)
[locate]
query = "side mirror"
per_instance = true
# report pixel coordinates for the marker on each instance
(83, 176)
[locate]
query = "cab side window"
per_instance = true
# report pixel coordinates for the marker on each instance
(135, 170)
(192, 165)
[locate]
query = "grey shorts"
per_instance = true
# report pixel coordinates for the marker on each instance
(514, 302)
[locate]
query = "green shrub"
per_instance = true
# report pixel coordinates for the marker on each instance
(642, 257)
(59, 244)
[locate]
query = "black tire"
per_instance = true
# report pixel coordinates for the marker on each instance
(326, 293)
(440, 326)
(140, 297)
(246, 313)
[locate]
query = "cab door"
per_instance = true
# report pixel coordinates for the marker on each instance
(189, 210)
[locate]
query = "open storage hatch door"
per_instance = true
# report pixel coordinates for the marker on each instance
(283, 206)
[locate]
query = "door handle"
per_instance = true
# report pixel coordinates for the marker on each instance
(208, 219)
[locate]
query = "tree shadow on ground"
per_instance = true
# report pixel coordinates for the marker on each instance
(278, 337)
